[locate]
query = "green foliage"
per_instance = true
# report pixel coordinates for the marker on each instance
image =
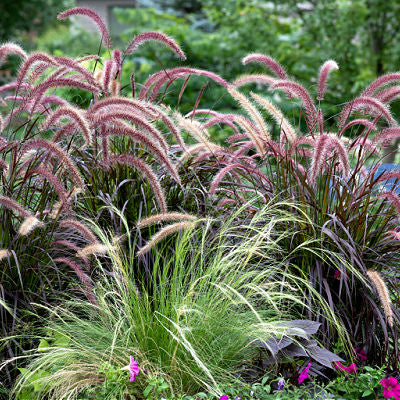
(187, 328)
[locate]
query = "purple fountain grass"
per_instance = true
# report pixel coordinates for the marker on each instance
(156, 36)
(61, 156)
(127, 159)
(286, 128)
(54, 181)
(269, 62)
(221, 174)
(326, 68)
(386, 136)
(368, 124)
(39, 90)
(79, 227)
(110, 69)
(14, 206)
(32, 59)
(379, 82)
(388, 95)
(115, 88)
(252, 111)
(30, 223)
(323, 144)
(221, 119)
(11, 48)
(75, 66)
(126, 103)
(370, 103)
(14, 85)
(161, 77)
(389, 175)
(75, 115)
(94, 17)
(126, 130)
(89, 57)
(93, 249)
(298, 142)
(393, 198)
(133, 84)
(163, 233)
(167, 121)
(66, 129)
(254, 78)
(74, 247)
(117, 57)
(131, 117)
(3, 166)
(158, 218)
(367, 144)
(294, 87)
(83, 277)
(383, 293)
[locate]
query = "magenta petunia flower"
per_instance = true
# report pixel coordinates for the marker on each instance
(390, 388)
(304, 374)
(362, 355)
(350, 369)
(224, 397)
(133, 369)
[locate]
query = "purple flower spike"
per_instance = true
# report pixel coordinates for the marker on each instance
(281, 384)
(304, 374)
(133, 369)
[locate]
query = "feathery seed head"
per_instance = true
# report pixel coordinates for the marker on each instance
(87, 12)
(157, 36)
(29, 224)
(325, 70)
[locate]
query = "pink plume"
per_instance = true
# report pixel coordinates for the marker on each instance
(53, 180)
(300, 91)
(386, 136)
(11, 48)
(393, 197)
(267, 61)
(368, 124)
(326, 69)
(157, 36)
(389, 94)
(126, 130)
(94, 17)
(322, 147)
(254, 78)
(370, 103)
(71, 113)
(13, 205)
(378, 83)
(132, 117)
(135, 162)
(117, 57)
(110, 69)
(218, 178)
(74, 65)
(33, 58)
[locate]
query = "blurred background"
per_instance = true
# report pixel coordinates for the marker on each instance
(362, 36)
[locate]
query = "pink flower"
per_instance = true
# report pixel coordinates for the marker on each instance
(133, 369)
(304, 374)
(362, 355)
(224, 397)
(390, 388)
(350, 369)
